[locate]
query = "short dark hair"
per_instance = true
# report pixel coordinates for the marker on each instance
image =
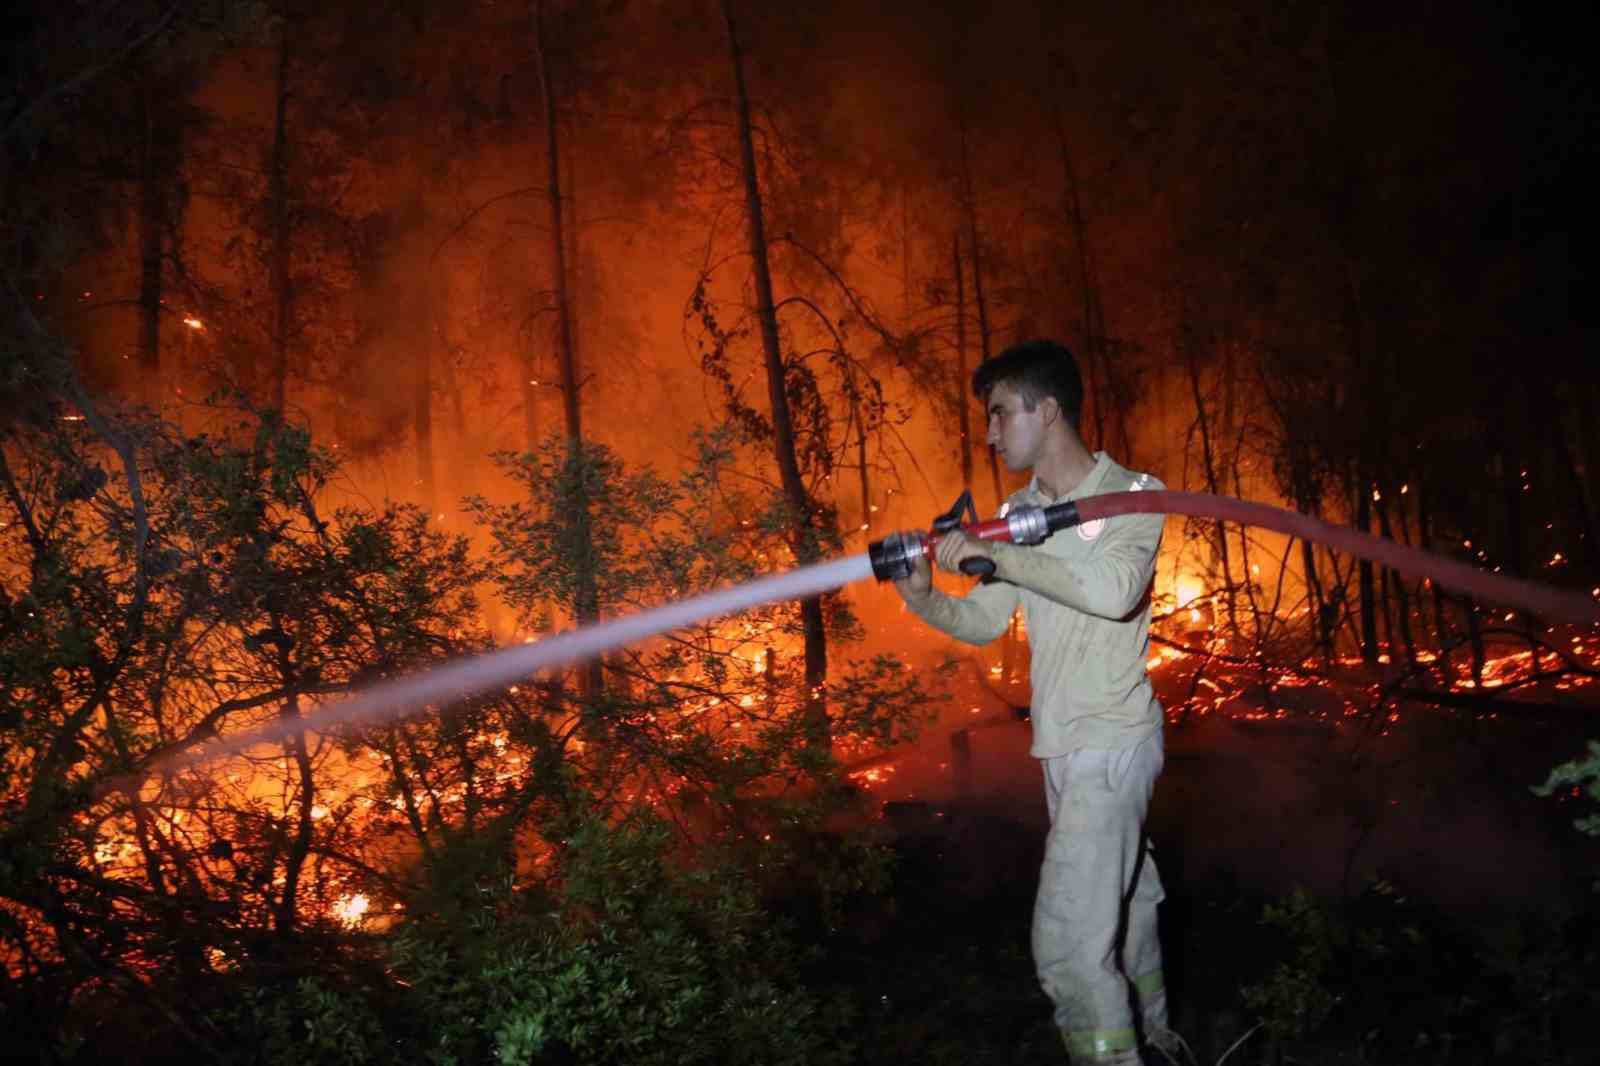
(1036, 369)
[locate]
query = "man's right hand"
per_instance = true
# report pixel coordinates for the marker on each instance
(919, 583)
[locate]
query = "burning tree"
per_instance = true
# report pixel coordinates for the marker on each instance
(715, 700)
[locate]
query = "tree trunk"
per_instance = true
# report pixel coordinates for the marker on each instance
(530, 414)
(1213, 485)
(565, 350)
(1319, 621)
(1091, 315)
(422, 421)
(1395, 580)
(1514, 473)
(1578, 501)
(1369, 608)
(1587, 398)
(1307, 502)
(157, 163)
(278, 206)
(1441, 628)
(969, 207)
(300, 846)
(861, 460)
(906, 308)
(805, 542)
(586, 599)
(963, 403)
(1475, 633)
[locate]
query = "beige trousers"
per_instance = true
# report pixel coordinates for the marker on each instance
(1094, 921)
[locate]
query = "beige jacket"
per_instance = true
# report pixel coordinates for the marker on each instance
(1085, 601)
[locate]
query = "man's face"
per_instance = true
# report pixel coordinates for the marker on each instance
(1016, 433)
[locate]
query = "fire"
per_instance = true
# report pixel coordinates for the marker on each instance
(1162, 657)
(349, 910)
(1188, 589)
(875, 775)
(194, 323)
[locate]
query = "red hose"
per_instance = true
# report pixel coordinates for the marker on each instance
(1541, 600)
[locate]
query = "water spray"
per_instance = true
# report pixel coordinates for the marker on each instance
(890, 559)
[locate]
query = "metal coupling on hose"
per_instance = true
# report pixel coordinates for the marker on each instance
(1027, 524)
(895, 556)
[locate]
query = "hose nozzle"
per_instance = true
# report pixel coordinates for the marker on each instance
(895, 556)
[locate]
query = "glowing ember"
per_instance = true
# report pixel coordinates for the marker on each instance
(194, 323)
(875, 775)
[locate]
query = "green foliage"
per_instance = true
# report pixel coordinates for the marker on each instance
(1394, 974)
(1330, 949)
(313, 1019)
(1535, 969)
(621, 957)
(1581, 777)
(1294, 1000)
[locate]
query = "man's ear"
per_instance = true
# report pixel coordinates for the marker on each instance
(1049, 409)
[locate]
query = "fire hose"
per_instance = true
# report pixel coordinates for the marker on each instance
(888, 559)
(894, 556)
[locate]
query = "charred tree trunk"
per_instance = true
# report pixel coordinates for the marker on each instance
(805, 540)
(1514, 474)
(861, 460)
(963, 403)
(1480, 654)
(565, 349)
(1587, 398)
(295, 747)
(906, 308)
(1307, 500)
(969, 206)
(984, 347)
(1579, 502)
(1405, 592)
(1091, 315)
(158, 165)
(1213, 484)
(1398, 582)
(1441, 629)
(530, 419)
(586, 599)
(278, 207)
(1260, 622)
(422, 422)
(1319, 611)
(1009, 643)
(1365, 578)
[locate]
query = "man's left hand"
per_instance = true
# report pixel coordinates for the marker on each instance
(955, 546)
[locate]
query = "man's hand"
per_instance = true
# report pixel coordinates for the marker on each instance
(955, 546)
(919, 583)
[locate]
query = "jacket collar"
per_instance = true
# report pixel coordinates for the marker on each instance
(1087, 487)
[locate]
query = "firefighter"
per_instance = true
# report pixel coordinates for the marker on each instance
(1085, 594)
